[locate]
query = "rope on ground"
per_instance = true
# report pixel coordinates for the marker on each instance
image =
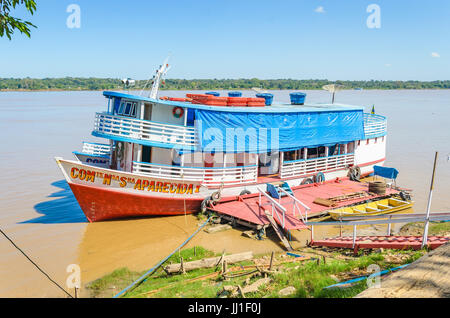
(354, 280)
(37, 266)
(138, 281)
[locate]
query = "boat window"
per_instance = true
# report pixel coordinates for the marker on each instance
(312, 153)
(321, 151)
(318, 152)
(333, 150)
(351, 147)
(289, 155)
(127, 108)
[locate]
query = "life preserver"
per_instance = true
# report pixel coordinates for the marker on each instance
(319, 178)
(207, 202)
(177, 112)
(244, 192)
(215, 196)
(307, 181)
(354, 173)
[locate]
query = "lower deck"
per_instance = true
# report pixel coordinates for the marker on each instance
(248, 208)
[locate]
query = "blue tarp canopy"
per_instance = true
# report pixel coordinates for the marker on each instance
(385, 172)
(259, 132)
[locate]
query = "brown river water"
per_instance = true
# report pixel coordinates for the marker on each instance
(39, 212)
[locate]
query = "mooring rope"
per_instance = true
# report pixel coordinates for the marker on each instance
(357, 279)
(138, 281)
(37, 266)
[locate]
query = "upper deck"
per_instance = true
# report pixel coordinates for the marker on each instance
(276, 107)
(153, 122)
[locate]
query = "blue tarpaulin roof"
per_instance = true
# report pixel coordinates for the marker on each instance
(220, 131)
(385, 172)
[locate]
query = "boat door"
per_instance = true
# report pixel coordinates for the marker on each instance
(268, 163)
(148, 111)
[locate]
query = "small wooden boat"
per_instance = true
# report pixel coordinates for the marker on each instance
(385, 206)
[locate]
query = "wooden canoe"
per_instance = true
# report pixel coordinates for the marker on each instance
(385, 206)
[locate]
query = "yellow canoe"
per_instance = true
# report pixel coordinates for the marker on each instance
(385, 206)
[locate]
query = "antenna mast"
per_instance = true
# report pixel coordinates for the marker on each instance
(156, 81)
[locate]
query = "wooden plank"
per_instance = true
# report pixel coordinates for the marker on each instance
(278, 231)
(209, 262)
(324, 202)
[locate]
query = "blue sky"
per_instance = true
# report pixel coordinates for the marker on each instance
(299, 39)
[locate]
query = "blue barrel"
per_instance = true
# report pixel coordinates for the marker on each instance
(297, 98)
(213, 93)
(268, 97)
(234, 94)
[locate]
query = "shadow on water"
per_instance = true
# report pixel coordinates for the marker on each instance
(64, 209)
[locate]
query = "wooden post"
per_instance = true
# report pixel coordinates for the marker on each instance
(271, 261)
(354, 236)
(182, 266)
(389, 227)
(224, 267)
(427, 219)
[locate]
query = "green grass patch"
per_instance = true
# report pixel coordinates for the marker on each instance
(308, 277)
(110, 284)
(435, 228)
(439, 228)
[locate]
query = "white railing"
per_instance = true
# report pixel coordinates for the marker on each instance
(296, 203)
(144, 130)
(298, 168)
(275, 205)
(374, 126)
(207, 176)
(91, 148)
(386, 219)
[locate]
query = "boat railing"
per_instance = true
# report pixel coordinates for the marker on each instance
(214, 176)
(274, 207)
(296, 207)
(374, 125)
(311, 166)
(96, 149)
(144, 130)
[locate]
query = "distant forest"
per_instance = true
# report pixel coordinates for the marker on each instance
(74, 83)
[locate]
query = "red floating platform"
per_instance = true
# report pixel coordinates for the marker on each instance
(392, 242)
(247, 207)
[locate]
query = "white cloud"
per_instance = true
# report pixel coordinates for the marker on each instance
(435, 54)
(388, 65)
(320, 10)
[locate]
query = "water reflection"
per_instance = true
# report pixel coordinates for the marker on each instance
(64, 209)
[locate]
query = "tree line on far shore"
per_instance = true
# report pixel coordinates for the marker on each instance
(76, 83)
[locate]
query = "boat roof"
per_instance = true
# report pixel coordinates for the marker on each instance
(274, 108)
